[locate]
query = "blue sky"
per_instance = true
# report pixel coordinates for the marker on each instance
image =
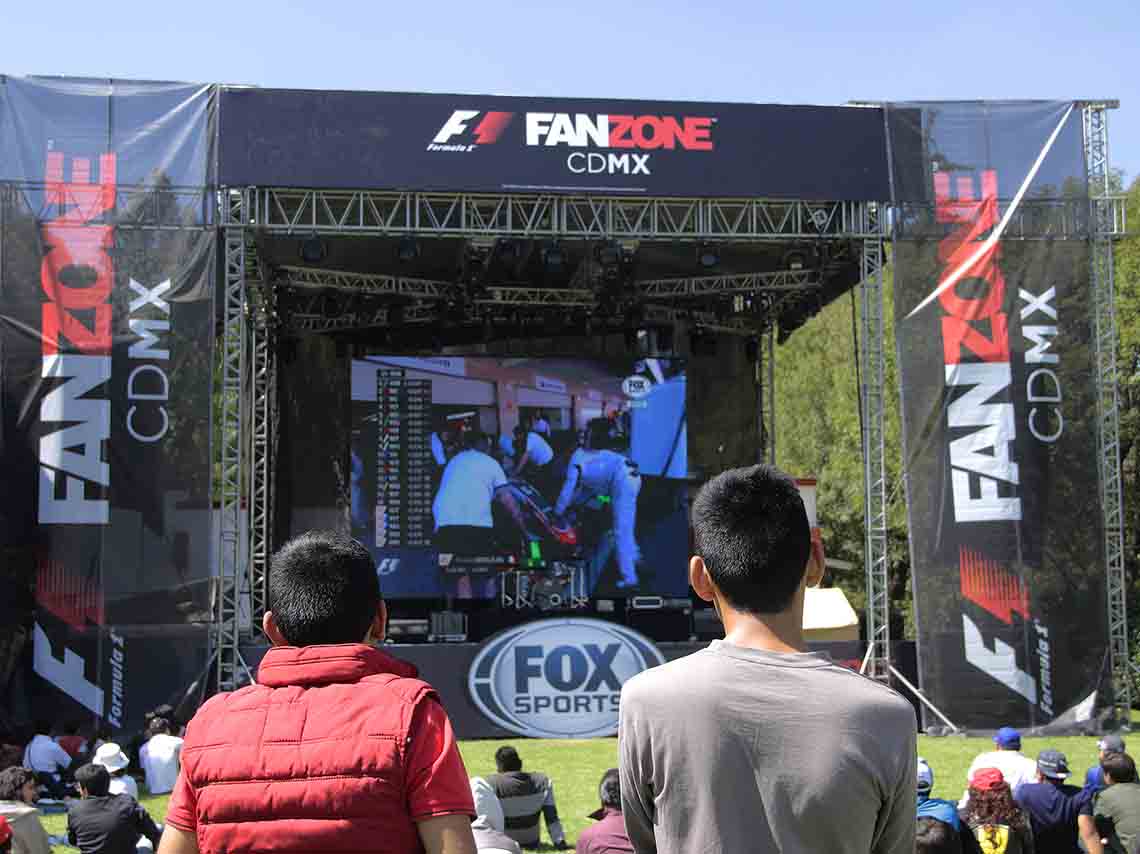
(824, 52)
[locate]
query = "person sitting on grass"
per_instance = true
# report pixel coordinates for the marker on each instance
(50, 761)
(936, 808)
(608, 835)
(997, 823)
(1111, 822)
(932, 836)
(489, 822)
(19, 792)
(1015, 767)
(102, 823)
(111, 757)
(524, 796)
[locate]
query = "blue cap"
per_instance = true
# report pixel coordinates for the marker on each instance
(1008, 738)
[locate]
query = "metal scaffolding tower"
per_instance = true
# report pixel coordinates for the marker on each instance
(1105, 223)
(873, 360)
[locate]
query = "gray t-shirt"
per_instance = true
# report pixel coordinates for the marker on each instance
(733, 749)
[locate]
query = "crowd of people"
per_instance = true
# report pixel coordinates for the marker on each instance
(751, 744)
(61, 768)
(1014, 804)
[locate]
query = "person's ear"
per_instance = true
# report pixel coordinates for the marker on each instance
(269, 626)
(379, 628)
(699, 578)
(817, 563)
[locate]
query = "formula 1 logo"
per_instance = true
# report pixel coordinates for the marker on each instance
(558, 678)
(485, 132)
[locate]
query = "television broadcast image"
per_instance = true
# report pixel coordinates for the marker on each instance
(466, 468)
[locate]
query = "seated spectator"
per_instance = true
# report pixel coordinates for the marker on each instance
(608, 835)
(19, 792)
(996, 822)
(1052, 806)
(48, 760)
(932, 836)
(5, 836)
(936, 808)
(102, 823)
(1111, 821)
(1094, 777)
(111, 757)
(159, 757)
(524, 796)
(487, 828)
(71, 741)
(1015, 767)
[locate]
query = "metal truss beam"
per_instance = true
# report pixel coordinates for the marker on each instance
(278, 210)
(263, 424)
(229, 589)
(742, 283)
(364, 283)
(1034, 219)
(872, 359)
(1105, 227)
(137, 206)
(310, 320)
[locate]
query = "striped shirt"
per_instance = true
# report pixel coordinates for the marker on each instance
(524, 796)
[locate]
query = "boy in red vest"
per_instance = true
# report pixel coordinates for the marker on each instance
(338, 747)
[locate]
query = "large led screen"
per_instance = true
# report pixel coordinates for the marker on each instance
(466, 468)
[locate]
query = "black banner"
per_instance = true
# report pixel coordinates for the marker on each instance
(992, 312)
(379, 140)
(107, 269)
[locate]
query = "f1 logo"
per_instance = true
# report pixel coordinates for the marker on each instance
(488, 130)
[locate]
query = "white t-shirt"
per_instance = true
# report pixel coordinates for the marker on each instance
(1015, 767)
(124, 784)
(467, 489)
(159, 759)
(537, 450)
(542, 426)
(45, 756)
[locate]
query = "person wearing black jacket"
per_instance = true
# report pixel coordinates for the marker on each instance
(102, 823)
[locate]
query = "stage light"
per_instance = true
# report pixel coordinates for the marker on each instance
(795, 260)
(313, 250)
(608, 254)
(553, 257)
(708, 256)
(507, 251)
(408, 249)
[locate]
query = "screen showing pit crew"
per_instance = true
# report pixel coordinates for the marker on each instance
(466, 468)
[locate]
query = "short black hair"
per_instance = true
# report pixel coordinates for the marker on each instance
(750, 528)
(159, 726)
(1120, 767)
(932, 836)
(95, 779)
(609, 790)
(507, 759)
(323, 589)
(71, 728)
(12, 780)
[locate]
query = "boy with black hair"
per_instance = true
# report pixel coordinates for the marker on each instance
(737, 747)
(102, 823)
(338, 746)
(936, 837)
(19, 792)
(607, 835)
(1052, 806)
(525, 795)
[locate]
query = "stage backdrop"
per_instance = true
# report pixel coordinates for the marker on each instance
(992, 311)
(106, 298)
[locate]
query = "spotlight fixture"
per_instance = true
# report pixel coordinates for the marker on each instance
(507, 251)
(795, 260)
(553, 257)
(608, 254)
(407, 250)
(708, 256)
(313, 250)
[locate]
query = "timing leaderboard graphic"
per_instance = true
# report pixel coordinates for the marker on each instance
(464, 468)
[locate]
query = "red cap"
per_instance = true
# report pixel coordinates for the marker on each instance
(5, 830)
(987, 779)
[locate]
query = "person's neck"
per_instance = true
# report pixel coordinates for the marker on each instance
(782, 632)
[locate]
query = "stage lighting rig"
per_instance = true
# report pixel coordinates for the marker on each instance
(553, 257)
(708, 256)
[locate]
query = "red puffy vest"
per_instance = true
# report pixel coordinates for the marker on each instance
(310, 759)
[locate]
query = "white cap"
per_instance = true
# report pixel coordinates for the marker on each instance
(925, 776)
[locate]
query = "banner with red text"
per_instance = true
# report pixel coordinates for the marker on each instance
(992, 315)
(107, 267)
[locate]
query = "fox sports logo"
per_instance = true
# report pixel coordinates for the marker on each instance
(558, 678)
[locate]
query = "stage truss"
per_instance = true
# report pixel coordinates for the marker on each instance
(252, 323)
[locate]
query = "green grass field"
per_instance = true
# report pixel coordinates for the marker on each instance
(577, 766)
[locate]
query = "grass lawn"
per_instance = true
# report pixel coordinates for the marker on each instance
(577, 766)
